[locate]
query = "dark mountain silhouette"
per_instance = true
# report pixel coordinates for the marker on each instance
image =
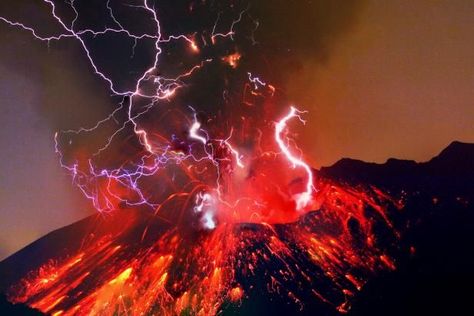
(435, 277)
(456, 159)
(448, 171)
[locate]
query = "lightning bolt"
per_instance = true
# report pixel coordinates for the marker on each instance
(302, 199)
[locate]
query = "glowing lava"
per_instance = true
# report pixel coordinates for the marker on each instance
(134, 263)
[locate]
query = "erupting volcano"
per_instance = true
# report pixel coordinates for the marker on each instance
(204, 198)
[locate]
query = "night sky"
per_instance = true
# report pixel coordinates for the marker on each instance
(379, 79)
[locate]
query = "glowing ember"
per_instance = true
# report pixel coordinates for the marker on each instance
(232, 59)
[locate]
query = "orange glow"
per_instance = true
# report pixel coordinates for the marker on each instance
(236, 294)
(194, 47)
(122, 277)
(232, 60)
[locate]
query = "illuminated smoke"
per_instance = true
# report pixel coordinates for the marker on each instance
(206, 205)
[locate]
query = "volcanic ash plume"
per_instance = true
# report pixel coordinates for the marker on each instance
(204, 197)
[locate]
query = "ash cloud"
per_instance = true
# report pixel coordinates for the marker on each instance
(62, 91)
(291, 34)
(70, 95)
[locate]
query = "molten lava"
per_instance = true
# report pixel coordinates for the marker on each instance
(138, 264)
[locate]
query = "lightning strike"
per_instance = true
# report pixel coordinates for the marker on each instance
(304, 198)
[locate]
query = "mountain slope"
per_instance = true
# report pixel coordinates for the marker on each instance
(451, 170)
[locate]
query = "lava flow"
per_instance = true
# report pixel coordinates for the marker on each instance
(200, 208)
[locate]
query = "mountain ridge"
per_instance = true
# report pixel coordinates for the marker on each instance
(450, 167)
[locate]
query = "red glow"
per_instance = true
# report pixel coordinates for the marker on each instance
(232, 59)
(107, 275)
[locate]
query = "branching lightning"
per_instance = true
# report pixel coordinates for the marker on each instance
(164, 89)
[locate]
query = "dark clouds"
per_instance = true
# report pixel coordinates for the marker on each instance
(70, 95)
(303, 29)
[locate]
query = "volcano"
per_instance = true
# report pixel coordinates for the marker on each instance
(392, 239)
